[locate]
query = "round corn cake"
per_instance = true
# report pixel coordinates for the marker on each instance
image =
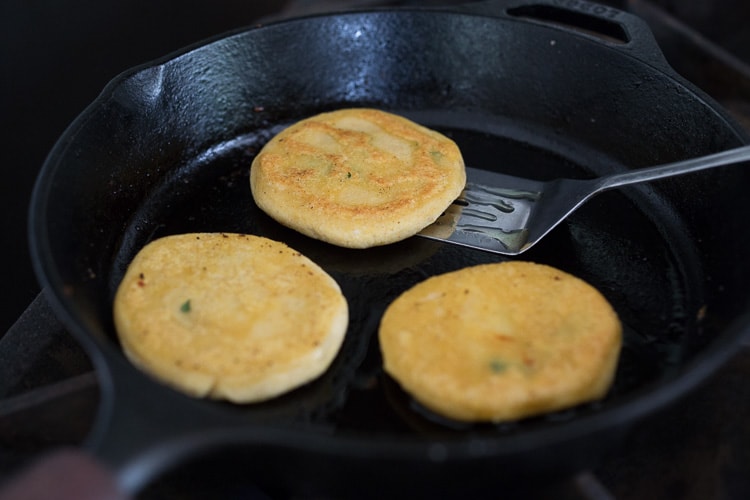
(500, 342)
(357, 178)
(229, 316)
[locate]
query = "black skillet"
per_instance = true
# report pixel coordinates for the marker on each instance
(542, 89)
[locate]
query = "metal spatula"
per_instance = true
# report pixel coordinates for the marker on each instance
(514, 213)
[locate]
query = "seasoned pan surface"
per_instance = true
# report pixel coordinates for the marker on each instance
(613, 245)
(167, 149)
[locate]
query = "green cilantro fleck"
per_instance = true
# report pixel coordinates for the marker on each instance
(437, 156)
(497, 366)
(185, 307)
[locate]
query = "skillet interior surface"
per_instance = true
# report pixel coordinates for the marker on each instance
(651, 281)
(167, 149)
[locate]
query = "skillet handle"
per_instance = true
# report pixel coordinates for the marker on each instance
(618, 29)
(144, 429)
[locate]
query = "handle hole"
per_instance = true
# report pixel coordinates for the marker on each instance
(588, 24)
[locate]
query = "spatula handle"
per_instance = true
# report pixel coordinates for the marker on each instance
(724, 158)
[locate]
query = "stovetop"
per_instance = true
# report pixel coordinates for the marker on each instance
(697, 449)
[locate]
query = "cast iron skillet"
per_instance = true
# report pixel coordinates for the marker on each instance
(542, 89)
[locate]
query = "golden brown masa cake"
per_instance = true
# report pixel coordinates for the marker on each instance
(229, 316)
(500, 342)
(357, 178)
